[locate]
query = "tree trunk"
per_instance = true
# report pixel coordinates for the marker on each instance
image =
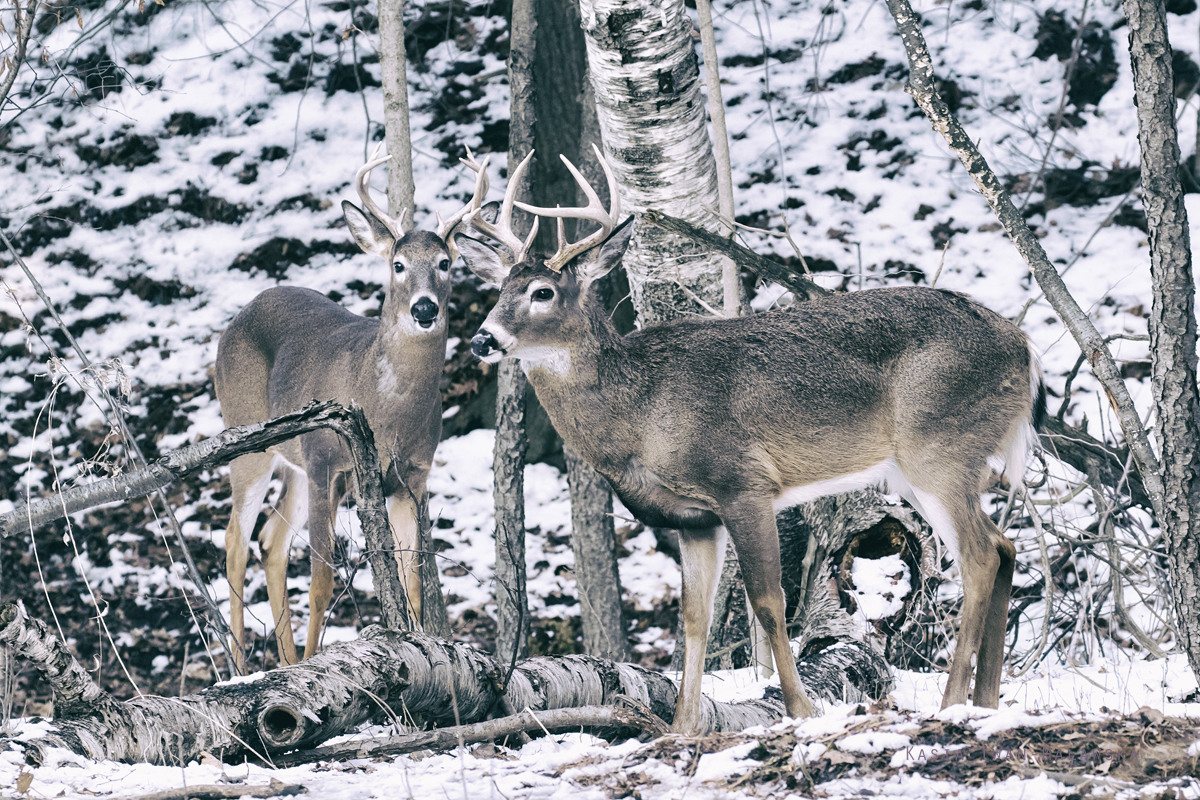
(647, 83)
(512, 600)
(393, 64)
(597, 580)
(560, 73)
(427, 680)
(733, 296)
(1173, 316)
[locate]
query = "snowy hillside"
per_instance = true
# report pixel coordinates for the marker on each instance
(161, 167)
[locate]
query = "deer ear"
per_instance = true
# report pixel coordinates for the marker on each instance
(371, 234)
(600, 260)
(484, 260)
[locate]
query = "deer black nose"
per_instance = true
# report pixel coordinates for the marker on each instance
(425, 311)
(483, 344)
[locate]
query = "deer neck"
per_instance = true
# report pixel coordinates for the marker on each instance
(401, 366)
(587, 388)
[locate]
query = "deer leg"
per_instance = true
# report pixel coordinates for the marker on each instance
(979, 563)
(701, 554)
(752, 525)
(286, 518)
(236, 548)
(320, 545)
(404, 519)
(249, 478)
(989, 664)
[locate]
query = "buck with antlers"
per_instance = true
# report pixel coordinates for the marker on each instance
(709, 426)
(290, 346)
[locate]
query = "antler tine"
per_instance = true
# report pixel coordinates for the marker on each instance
(502, 231)
(594, 211)
(362, 181)
(445, 227)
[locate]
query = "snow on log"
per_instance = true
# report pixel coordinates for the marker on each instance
(383, 674)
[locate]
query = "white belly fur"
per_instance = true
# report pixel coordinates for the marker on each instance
(887, 476)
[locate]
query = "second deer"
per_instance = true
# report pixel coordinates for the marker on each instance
(290, 346)
(709, 426)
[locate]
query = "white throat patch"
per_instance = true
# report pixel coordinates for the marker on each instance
(555, 360)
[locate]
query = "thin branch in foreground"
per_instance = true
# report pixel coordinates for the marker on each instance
(275, 788)
(800, 285)
(557, 719)
(922, 86)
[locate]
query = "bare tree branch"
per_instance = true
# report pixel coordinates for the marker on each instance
(24, 25)
(229, 444)
(800, 285)
(921, 85)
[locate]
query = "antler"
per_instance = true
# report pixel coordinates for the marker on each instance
(444, 227)
(594, 211)
(502, 231)
(362, 180)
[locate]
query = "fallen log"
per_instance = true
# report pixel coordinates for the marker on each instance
(383, 675)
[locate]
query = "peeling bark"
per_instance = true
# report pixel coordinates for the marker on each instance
(382, 674)
(646, 78)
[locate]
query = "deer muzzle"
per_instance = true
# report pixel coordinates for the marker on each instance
(485, 347)
(425, 311)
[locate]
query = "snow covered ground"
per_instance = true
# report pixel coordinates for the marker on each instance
(153, 213)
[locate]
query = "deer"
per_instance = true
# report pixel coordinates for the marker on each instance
(292, 345)
(711, 425)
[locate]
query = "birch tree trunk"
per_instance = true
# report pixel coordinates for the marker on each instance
(646, 78)
(1173, 314)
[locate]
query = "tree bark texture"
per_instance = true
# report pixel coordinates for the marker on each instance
(508, 464)
(351, 424)
(592, 718)
(594, 544)
(731, 285)
(646, 79)
(560, 74)
(415, 676)
(393, 62)
(921, 85)
(1173, 313)
(512, 598)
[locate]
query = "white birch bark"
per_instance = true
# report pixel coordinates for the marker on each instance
(647, 83)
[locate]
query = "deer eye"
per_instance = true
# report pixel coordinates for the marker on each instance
(444, 264)
(543, 294)
(399, 267)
